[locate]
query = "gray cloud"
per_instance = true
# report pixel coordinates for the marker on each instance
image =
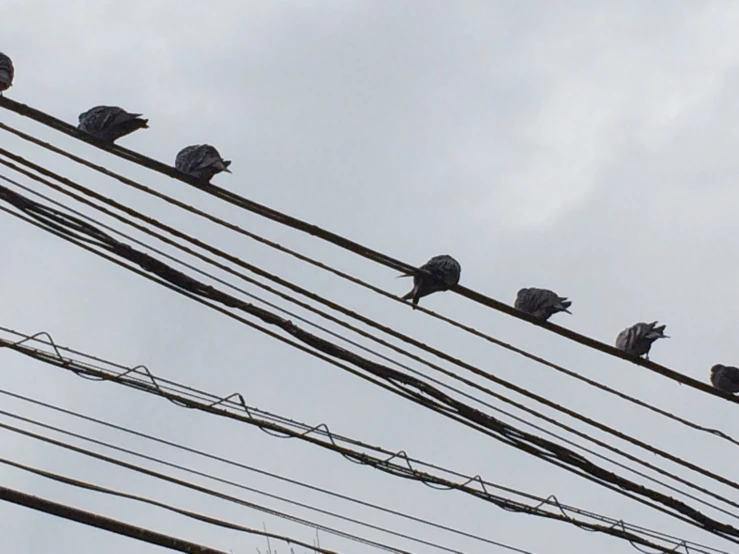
(588, 149)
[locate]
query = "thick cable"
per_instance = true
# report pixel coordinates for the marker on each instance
(351, 246)
(404, 385)
(187, 513)
(191, 471)
(440, 383)
(578, 416)
(154, 387)
(300, 290)
(108, 524)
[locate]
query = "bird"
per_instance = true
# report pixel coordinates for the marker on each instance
(201, 161)
(109, 123)
(438, 274)
(725, 378)
(7, 72)
(541, 303)
(637, 339)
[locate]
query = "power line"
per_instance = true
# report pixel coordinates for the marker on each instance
(261, 419)
(382, 464)
(408, 387)
(573, 414)
(211, 492)
(187, 513)
(604, 478)
(108, 524)
(302, 291)
(216, 494)
(234, 463)
(347, 244)
(475, 385)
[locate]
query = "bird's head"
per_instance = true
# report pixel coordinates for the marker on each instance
(716, 368)
(656, 332)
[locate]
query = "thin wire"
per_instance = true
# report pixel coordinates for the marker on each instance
(338, 240)
(111, 525)
(241, 465)
(187, 513)
(211, 492)
(408, 387)
(295, 288)
(706, 523)
(341, 337)
(436, 381)
(562, 409)
(234, 464)
(151, 385)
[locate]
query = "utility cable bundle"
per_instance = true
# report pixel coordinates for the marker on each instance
(141, 379)
(417, 387)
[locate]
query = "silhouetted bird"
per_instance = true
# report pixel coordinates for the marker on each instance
(7, 72)
(725, 378)
(438, 274)
(637, 339)
(201, 161)
(109, 123)
(541, 303)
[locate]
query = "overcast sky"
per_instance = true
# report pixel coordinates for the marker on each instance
(586, 147)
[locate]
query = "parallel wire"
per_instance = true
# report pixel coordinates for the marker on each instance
(517, 315)
(408, 387)
(378, 257)
(341, 337)
(111, 525)
(239, 465)
(66, 226)
(300, 290)
(617, 529)
(187, 513)
(214, 493)
(151, 384)
(232, 463)
(600, 426)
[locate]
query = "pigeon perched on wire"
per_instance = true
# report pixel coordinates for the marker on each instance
(637, 339)
(725, 378)
(109, 123)
(438, 274)
(7, 72)
(201, 161)
(541, 303)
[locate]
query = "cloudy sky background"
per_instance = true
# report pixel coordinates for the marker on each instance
(585, 147)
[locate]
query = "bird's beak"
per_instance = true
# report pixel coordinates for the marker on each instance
(567, 311)
(227, 170)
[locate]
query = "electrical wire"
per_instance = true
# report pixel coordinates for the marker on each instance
(300, 290)
(220, 406)
(187, 513)
(475, 385)
(237, 464)
(210, 492)
(112, 525)
(389, 262)
(628, 438)
(402, 384)
(711, 525)
(349, 245)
